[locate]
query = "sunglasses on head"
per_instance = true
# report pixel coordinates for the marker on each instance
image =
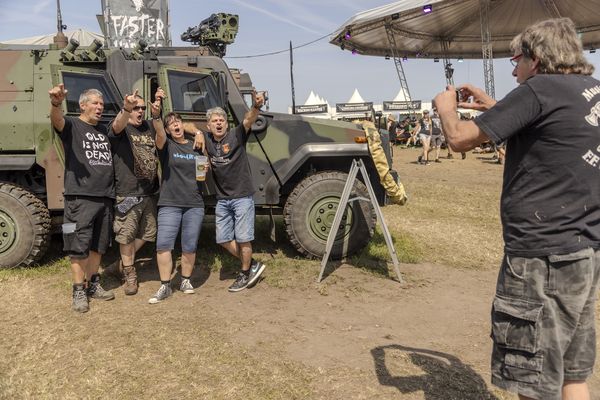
(137, 108)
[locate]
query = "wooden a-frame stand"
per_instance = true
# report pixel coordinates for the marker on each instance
(357, 165)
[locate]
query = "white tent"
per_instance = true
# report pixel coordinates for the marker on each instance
(85, 38)
(401, 96)
(356, 97)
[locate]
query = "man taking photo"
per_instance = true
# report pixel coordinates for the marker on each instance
(543, 312)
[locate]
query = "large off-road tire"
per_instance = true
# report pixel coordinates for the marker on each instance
(310, 209)
(24, 227)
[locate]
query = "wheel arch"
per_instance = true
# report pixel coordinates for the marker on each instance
(313, 158)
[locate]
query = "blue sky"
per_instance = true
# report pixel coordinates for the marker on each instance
(267, 26)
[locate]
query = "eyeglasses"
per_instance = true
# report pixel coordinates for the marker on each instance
(514, 61)
(138, 108)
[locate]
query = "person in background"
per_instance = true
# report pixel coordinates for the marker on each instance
(424, 131)
(543, 322)
(436, 135)
(89, 191)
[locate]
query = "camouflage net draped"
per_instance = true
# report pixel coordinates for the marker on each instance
(394, 190)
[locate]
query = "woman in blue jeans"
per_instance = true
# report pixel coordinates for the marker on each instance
(180, 205)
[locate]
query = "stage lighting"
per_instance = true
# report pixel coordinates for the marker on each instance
(342, 46)
(436, 59)
(404, 58)
(427, 9)
(347, 35)
(460, 59)
(592, 51)
(354, 51)
(387, 56)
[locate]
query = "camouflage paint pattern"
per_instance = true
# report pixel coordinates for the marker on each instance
(27, 75)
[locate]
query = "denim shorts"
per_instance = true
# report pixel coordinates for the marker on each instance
(92, 217)
(170, 219)
(543, 324)
(424, 138)
(234, 220)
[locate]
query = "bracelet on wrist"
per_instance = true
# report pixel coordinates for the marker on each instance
(126, 110)
(56, 105)
(156, 118)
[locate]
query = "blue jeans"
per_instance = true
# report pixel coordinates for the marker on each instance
(170, 219)
(234, 220)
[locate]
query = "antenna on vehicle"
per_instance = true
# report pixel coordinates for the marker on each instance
(60, 40)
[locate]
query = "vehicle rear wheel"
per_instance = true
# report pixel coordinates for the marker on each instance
(24, 227)
(310, 209)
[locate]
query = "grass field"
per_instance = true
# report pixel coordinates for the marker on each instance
(356, 335)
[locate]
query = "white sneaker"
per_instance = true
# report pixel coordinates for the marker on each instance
(163, 292)
(186, 286)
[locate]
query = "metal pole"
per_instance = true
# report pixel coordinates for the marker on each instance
(292, 79)
(399, 69)
(486, 49)
(448, 70)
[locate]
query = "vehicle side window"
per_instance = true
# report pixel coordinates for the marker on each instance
(76, 83)
(192, 92)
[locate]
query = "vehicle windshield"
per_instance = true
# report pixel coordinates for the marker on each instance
(192, 92)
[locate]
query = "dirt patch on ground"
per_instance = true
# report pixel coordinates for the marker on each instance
(357, 335)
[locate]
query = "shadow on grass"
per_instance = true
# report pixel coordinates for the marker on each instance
(440, 375)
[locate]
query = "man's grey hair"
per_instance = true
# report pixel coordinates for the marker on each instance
(554, 42)
(86, 94)
(215, 111)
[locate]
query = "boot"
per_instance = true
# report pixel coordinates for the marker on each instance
(130, 283)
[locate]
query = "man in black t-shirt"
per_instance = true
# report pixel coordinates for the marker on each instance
(136, 182)
(89, 191)
(543, 313)
(234, 214)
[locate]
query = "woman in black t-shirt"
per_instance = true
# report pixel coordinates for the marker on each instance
(179, 206)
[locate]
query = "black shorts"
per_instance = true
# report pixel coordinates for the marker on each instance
(92, 217)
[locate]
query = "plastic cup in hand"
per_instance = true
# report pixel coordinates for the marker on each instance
(201, 166)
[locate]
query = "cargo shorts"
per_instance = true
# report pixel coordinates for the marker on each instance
(138, 222)
(543, 325)
(86, 225)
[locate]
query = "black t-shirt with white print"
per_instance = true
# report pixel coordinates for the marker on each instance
(229, 163)
(179, 187)
(551, 192)
(88, 159)
(142, 138)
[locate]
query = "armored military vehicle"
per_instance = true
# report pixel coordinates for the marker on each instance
(299, 165)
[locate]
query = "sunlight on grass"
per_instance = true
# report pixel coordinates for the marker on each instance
(53, 268)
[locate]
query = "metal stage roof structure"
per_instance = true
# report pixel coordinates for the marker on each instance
(444, 29)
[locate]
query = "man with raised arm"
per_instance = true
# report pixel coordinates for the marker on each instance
(543, 312)
(136, 182)
(234, 214)
(89, 191)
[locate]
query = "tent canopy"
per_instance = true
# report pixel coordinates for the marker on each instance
(458, 23)
(84, 37)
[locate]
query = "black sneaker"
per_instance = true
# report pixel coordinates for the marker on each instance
(437, 160)
(241, 282)
(419, 159)
(256, 269)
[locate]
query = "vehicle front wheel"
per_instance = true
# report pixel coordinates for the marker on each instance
(24, 227)
(310, 209)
